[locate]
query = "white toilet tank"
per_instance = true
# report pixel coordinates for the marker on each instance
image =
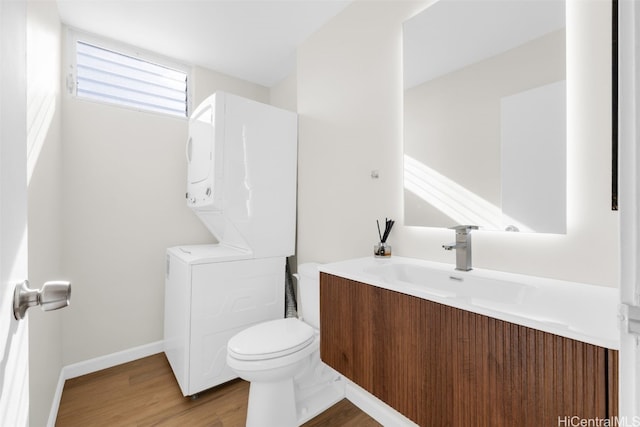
(309, 293)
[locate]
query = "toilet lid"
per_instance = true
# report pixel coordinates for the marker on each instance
(271, 339)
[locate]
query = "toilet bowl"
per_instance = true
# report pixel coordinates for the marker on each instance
(281, 360)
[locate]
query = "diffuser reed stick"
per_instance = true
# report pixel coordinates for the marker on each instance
(387, 229)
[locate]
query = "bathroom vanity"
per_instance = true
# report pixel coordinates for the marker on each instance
(475, 348)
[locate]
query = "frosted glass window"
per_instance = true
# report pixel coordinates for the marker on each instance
(109, 76)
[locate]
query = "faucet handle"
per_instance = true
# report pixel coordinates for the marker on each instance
(463, 228)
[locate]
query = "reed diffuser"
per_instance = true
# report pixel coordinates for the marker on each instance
(382, 249)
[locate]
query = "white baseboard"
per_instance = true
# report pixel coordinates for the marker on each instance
(55, 405)
(103, 362)
(99, 363)
(375, 408)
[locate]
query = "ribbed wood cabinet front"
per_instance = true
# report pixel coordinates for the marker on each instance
(442, 366)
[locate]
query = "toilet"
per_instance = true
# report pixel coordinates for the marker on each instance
(281, 360)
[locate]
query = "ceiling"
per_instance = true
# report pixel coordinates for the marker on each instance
(254, 40)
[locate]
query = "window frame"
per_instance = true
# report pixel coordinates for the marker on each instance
(71, 77)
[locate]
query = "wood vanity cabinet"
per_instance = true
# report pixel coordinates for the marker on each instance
(442, 366)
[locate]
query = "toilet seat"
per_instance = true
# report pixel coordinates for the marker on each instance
(269, 340)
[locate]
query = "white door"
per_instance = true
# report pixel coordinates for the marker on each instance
(629, 202)
(14, 338)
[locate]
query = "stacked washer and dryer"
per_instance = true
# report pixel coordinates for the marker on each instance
(241, 182)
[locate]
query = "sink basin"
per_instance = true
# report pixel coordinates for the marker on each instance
(448, 284)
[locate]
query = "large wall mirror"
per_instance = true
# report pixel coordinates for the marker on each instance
(485, 115)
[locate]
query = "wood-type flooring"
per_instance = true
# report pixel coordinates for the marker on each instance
(145, 393)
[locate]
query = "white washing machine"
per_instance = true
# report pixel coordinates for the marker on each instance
(213, 292)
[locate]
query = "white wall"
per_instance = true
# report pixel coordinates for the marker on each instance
(45, 199)
(350, 105)
(206, 82)
(124, 184)
(284, 94)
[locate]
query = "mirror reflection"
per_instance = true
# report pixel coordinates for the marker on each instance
(485, 115)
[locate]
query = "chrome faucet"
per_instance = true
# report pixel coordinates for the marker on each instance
(462, 245)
